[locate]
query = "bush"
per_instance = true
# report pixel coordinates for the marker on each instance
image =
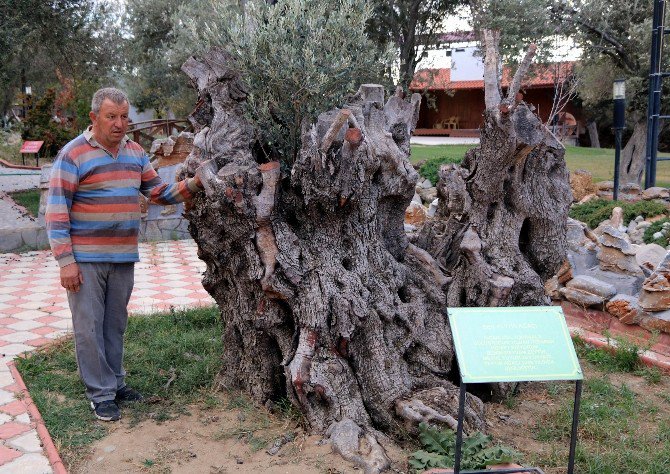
(430, 169)
(39, 125)
(593, 212)
(657, 226)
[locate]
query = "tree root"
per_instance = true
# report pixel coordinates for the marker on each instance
(356, 445)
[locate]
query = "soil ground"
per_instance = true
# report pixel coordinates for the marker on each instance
(234, 439)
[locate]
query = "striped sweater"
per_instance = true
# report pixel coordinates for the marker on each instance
(93, 208)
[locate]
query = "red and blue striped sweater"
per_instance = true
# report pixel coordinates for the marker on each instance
(93, 208)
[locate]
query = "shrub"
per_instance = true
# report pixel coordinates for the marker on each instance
(593, 212)
(39, 125)
(649, 232)
(430, 169)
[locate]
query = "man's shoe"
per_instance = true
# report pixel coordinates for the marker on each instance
(127, 394)
(106, 410)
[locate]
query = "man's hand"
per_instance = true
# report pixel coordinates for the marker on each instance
(71, 278)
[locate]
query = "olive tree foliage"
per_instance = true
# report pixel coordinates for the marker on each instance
(297, 58)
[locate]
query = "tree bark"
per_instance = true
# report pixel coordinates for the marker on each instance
(322, 297)
(592, 128)
(633, 154)
(500, 226)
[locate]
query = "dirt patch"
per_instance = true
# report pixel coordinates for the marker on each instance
(217, 440)
(234, 439)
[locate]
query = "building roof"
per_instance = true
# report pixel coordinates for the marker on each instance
(540, 76)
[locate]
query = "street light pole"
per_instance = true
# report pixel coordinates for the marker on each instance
(619, 95)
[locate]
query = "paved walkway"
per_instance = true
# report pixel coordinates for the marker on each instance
(34, 311)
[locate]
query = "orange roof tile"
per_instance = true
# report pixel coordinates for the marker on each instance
(540, 76)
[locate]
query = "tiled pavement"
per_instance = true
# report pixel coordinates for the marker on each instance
(34, 311)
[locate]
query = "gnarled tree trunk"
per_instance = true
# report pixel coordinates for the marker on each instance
(500, 226)
(323, 298)
(633, 154)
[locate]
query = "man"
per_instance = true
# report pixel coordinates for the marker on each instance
(92, 219)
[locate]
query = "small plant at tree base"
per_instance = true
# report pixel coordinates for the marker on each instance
(440, 449)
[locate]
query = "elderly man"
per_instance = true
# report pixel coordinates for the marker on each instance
(93, 218)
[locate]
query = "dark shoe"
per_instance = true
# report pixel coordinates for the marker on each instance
(127, 394)
(106, 410)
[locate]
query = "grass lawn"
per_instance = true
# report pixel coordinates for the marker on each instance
(29, 199)
(599, 161)
(171, 358)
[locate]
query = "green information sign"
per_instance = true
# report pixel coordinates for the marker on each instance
(513, 344)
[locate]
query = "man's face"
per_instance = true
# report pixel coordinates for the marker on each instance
(110, 124)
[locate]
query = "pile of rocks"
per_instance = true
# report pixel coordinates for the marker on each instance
(607, 269)
(423, 205)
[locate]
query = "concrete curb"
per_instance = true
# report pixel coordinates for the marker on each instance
(48, 444)
(7, 164)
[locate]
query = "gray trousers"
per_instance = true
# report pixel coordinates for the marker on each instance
(99, 318)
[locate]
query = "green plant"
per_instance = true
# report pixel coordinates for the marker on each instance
(595, 211)
(440, 448)
(657, 226)
(624, 357)
(39, 125)
(430, 169)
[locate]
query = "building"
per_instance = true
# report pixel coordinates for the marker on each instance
(453, 102)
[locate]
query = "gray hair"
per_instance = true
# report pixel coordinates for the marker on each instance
(112, 93)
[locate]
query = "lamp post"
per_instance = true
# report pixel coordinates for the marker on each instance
(619, 95)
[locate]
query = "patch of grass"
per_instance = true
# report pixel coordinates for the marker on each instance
(595, 211)
(184, 347)
(611, 438)
(625, 357)
(598, 161)
(30, 199)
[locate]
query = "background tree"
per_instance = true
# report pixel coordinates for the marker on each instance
(409, 26)
(40, 40)
(615, 38)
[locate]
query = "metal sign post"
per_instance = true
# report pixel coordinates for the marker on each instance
(520, 344)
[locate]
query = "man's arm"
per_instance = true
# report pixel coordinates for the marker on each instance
(62, 186)
(162, 193)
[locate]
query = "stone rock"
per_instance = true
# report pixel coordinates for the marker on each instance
(655, 193)
(428, 195)
(630, 188)
(565, 273)
(615, 253)
(655, 294)
(432, 209)
(593, 286)
(581, 183)
(552, 287)
(581, 298)
(416, 198)
(605, 186)
(415, 214)
(656, 321)
(624, 283)
(636, 229)
(616, 220)
(581, 247)
(587, 198)
(650, 255)
(657, 235)
(425, 184)
(625, 308)
(410, 228)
